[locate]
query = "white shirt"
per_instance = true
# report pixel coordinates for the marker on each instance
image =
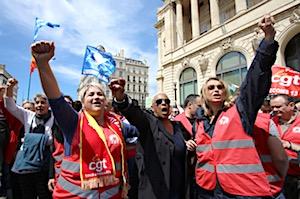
(26, 117)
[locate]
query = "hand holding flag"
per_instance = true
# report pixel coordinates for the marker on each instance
(98, 63)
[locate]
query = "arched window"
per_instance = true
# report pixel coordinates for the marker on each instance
(292, 53)
(232, 68)
(187, 83)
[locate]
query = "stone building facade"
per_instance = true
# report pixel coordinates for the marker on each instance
(4, 76)
(198, 39)
(136, 74)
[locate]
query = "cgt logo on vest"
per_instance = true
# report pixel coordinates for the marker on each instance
(98, 165)
(296, 129)
(224, 120)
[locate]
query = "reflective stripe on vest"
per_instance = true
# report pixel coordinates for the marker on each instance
(70, 166)
(75, 166)
(58, 157)
(242, 168)
(266, 158)
(233, 144)
(205, 166)
(203, 147)
(57, 170)
(76, 190)
(109, 193)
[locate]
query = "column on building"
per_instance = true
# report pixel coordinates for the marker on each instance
(170, 25)
(179, 23)
(195, 18)
(214, 13)
(240, 6)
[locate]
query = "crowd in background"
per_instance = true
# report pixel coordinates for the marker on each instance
(242, 145)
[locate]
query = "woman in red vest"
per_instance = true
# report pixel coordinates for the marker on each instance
(228, 165)
(94, 164)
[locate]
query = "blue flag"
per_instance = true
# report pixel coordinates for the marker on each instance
(98, 63)
(40, 23)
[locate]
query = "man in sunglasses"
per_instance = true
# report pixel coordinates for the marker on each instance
(161, 153)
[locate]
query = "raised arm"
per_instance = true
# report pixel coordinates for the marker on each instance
(42, 53)
(129, 109)
(257, 83)
(63, 113)
(10, 104)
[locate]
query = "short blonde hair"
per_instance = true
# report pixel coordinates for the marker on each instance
(87, 87)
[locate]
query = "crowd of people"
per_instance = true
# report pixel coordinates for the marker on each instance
(216, 147)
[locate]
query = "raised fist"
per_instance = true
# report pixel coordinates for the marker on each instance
(11, 82)
(42, 51)
(267, 25)
(117, 88)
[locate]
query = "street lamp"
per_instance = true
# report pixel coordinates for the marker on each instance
(175, 91)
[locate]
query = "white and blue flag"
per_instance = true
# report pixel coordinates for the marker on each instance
(98, 63)
(39, 23)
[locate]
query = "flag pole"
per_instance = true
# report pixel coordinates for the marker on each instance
(29, 83)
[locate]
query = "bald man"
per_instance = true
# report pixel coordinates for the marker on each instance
(161, 153)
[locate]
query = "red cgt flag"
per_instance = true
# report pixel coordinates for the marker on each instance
(32, 65)
(285, 81)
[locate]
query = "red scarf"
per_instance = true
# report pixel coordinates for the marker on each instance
(97, 167)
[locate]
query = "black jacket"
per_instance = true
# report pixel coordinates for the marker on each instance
(154, 151)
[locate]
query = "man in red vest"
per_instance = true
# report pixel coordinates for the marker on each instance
(288, 125)
(191, 103)
(187, 118)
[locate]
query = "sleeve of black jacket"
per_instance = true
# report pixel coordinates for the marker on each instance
(257, 84)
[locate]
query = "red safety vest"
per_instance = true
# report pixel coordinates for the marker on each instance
(58, 156)
(260, 135)
(69, 183)
(14, 126)
(292, 134)
(185, 122)
(230, 157)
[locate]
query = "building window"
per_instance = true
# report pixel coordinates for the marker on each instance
(121, 64)
(139, 88)
(227, 10)
(204, 16)
(292, 53)
(187, 83)
(120, 73)
(133, 78)
(128, 88)
(128, 78)
(133, 89)
(251, 3)
(232, 68)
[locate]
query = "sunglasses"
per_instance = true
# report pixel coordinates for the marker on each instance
(212, 87)
(160, 101)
